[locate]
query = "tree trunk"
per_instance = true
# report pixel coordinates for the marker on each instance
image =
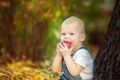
(7, 26)
(107, 61)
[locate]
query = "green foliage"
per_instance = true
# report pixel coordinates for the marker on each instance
(35, 24)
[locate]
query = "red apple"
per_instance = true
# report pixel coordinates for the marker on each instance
(67, 43)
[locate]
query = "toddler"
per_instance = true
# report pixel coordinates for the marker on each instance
(72, 58)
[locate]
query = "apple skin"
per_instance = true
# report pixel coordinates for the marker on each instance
(67, 43)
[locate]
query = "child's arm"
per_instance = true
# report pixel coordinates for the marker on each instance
(56, 65)
(57, 62)
(73, 68)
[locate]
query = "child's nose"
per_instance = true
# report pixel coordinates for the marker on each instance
(67, 36)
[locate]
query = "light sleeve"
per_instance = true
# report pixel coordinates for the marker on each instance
(81, 57)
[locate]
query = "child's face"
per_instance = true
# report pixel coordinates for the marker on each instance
(71, 32)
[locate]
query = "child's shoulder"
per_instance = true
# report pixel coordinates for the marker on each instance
(82, 51)
(82, 48)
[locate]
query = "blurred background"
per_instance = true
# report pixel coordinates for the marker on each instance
(30, 29)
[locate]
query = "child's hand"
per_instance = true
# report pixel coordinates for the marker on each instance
(63, 49)
(57, 50)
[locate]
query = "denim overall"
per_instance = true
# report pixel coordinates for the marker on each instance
(66, 75)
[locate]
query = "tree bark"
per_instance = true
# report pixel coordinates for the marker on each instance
(107, 61)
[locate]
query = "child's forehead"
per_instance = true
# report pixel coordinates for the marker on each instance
(71, 26)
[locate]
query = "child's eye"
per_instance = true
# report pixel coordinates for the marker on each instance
(71, 33)
(63, 34)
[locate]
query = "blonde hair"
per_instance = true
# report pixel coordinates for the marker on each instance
(76, 20)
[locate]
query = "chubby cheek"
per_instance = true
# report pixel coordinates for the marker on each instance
(75, 44)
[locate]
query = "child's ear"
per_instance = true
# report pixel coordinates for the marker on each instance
(82, 37)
